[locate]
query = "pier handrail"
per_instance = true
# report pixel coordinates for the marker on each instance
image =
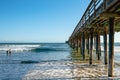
(94, 9)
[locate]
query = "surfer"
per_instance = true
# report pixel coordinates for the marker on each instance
(8, 52)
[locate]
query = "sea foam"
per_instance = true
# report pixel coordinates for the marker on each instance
(18, 47)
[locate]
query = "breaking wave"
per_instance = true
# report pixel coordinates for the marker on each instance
(116, 49)
(18, 47)
(42, 49)
(31, 47)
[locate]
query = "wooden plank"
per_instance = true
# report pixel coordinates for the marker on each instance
(109, 14)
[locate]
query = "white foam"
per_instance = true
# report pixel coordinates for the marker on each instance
(116, 49)
(18, 47)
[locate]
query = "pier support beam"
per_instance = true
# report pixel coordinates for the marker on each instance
(96, 43)
(98, 48)
(73, 44)
(78, 42)
(83, 46)
(88, 44)
(111, 47)
(105, 46)
(91, 45)
(99, 45)
(80, 45)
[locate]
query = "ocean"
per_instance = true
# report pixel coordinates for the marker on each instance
(49, 61)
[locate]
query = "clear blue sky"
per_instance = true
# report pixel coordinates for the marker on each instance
(39, 20)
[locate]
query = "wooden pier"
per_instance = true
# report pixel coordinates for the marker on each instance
(102, 17)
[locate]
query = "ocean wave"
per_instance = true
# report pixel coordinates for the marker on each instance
(18, 47)
(116, 49)
(43, 49)
(32, 48)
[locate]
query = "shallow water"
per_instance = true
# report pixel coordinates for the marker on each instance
(49, 61)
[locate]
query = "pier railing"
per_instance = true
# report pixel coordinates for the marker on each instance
(94, 9)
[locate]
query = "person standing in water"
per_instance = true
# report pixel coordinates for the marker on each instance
(8, 52)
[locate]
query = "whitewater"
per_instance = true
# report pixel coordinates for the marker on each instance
(50, 61)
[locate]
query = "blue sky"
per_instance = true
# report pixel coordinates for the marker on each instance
(39, 20)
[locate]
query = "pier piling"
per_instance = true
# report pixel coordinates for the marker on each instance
(103, 17)
(83, 46)
(91, 45)
(111, 47)
(88, 44)
(105, 46)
